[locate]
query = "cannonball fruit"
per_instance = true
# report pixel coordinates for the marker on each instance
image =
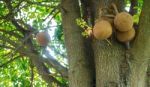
(126, 36)
(102, 30)
(42, 38)
(123, 21)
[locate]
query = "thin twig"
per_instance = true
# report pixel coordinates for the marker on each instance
(54, 15)
(57, 7)
(32, 73)
(57, 52)
(115, 8)
(51, 19)
(54, 63)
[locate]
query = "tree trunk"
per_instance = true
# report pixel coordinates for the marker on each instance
(148, 76)
(80, 75)
(140, 51)
(107, 57)
(107, 60)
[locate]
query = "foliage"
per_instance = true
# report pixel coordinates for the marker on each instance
(36, 13)
(84, 26)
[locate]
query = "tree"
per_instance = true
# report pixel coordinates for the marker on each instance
(91, 62)
(107, 58)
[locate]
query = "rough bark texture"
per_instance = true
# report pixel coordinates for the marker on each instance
(80, 75)
(148, 76)
(107, 57)
(140, 52)
(107, 60)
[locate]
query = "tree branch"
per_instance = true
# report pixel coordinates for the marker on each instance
(139, 54)
(16, 45)
(28, 27)
(57, 7)
(50, 61)
(44, 72)
(57, 52)
(18, 27)
(54, 15)
(32, 73)
(39, 64)
(17, 6)
(54, 63)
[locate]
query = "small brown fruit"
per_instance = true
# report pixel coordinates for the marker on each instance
(42, 38)
(102, 30)
(126, 36)
(123, 21)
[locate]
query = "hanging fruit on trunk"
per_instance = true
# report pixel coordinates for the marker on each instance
(126, 36)
(102, 30)
(42, 38)
(123, 21)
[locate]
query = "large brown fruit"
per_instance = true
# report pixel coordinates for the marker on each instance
(123, 21)
(42, 38)
(126, 36)
(102, 30)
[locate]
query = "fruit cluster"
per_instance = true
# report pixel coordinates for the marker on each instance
(122, 23)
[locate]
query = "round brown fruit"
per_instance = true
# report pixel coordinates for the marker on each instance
(123, 21)
(102, 30)
(42, 38)
(126, 36)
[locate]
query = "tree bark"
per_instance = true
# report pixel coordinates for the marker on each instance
(107, 60)
(140, 52)
(107, 57)
(148, 76)
(80, 75)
